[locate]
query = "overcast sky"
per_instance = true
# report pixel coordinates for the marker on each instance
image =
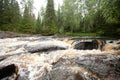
(39, 3)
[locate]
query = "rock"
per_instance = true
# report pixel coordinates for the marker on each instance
(89, 45)
(101, 44)
(88, 67)
(7, 71)
(66, 73)
(46, 46)
(7, 56)
(112, 46)
(2, 58)
(8, 34)
(118, 42)
(86, 45)
(70, 64)
(71, 42)
(67, 65)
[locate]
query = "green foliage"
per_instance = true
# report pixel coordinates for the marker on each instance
(69, 18)
(59, 20)
(28, 20)
(81, 34)
(111, 10)
(50, 23)
(50, 30)
(26, 28)
(38, 24)
(111, 14)
(9, 15)
(74, 17)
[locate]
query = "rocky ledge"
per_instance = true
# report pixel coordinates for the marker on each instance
(29, 58)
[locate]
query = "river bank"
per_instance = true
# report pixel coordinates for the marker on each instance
(8, 34)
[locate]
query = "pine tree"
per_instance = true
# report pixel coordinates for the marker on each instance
(50, 24)
(38, 24)
(28, 22)
(9, 15)
(15, 15)
(1, 13)
(59, 20)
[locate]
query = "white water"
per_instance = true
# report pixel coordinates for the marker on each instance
(33, 66)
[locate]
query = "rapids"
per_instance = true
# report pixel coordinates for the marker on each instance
(42, 65)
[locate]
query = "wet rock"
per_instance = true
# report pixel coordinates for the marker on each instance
(89, 45)
(71, 42)
(7, 56)
(7, 71)
(86, 45)
(112, 46)
(102, 66)
(67, 65)
(118, 42)
(2, 58)
(66, 73)
(10, 46)
(88, 67)
(46, 46)
(70, 64)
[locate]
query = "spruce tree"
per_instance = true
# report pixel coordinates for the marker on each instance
(50, 24)
(38, 24)
(28, 21)
(1, 13)
(9, 15)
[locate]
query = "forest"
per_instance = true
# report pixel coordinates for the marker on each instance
(74, 17)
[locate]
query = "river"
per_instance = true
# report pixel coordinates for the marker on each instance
(68, 64)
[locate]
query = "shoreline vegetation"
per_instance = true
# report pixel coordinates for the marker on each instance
(9, 34)
(92, 18)
(81, 34)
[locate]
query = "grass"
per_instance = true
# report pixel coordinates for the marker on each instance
(81, 34)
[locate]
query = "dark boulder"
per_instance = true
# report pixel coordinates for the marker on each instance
(86, 45)
(8, 71)
(89, 45)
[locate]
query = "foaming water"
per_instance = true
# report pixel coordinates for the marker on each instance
(35, 66)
